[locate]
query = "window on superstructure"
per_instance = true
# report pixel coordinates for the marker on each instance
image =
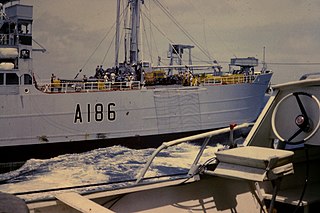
(1, 79)
(12, 79)
(25, 54)
(27, 79)
(25, 40)
(24, 27)
(25, 30)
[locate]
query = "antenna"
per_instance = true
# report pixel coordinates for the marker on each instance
(264, 65)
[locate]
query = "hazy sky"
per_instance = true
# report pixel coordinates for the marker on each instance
(71, 30)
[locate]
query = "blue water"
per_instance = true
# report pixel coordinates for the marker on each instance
(100, 169)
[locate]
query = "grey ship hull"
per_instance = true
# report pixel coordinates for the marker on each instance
(34, 118)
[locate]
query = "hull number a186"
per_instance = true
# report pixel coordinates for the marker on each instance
(95, 113)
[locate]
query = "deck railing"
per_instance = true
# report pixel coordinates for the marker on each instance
(96, 86)
(62, 86)
(232, 79)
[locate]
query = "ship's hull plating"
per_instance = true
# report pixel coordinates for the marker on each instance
(32, 118)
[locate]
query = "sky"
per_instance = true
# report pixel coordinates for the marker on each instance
(71, 31)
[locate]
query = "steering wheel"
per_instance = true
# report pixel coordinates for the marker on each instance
(302, 118)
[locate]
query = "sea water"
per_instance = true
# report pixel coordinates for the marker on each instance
(100, 169)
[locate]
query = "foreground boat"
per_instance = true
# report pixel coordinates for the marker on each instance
(132, 103)
(274, 171)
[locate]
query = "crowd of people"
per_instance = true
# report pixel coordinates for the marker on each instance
(128, 74)
(113, 74)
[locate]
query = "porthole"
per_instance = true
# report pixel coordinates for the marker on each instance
(26, 90)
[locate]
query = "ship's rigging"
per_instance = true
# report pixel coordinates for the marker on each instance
(141, 18)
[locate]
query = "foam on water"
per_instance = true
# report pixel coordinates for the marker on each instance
(107, 165)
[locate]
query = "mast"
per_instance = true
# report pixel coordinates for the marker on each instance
(126, 28)
(135, 29)
(264, 65)
(116, 63)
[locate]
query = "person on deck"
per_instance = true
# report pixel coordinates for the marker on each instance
(97, 72)
(101, 71)
(53, 78)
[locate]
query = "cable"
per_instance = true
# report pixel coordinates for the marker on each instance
(211, 29)
(94, 51)
(157, 28)
(146, 40)
(105, 55)
(171, 17)
(295, 63)
(199, 170)
(99, 44)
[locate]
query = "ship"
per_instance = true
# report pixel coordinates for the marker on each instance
(131, 103)
(274, 170)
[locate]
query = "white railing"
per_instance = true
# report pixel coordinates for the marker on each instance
(96, 86)
(207, 136)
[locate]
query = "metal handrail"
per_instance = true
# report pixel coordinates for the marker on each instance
(229, 79)
(67, 87)
(166, 145)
